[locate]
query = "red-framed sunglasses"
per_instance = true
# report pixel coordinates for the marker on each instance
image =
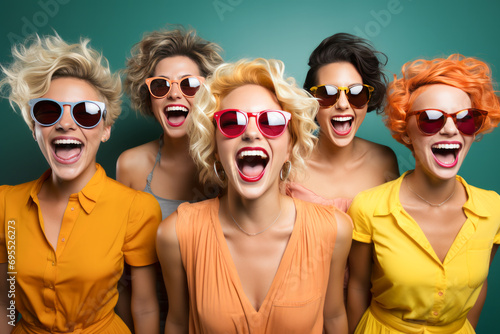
(468, 121)
(232, 123)
(358, 95)
(160, 86)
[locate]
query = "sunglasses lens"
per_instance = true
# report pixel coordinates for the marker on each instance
(232, 123)
(190, 86)
(358, 96)
(327, 95)
(159, 87)
(46, 112)
(272, 123)
(469, 121)
(87, 114)
(431, 121)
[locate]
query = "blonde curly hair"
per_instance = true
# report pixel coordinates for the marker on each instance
(262, 72)
(39, 60)
(158, 45)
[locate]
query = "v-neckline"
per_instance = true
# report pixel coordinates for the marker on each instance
(418, 234)
(282, 267)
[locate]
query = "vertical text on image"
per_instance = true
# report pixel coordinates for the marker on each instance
(11, 271)
(381, 19)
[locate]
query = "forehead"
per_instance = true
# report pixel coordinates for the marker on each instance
(68, 89)
(339, 74)
(443, 97)
(250, 98)
(176, 67)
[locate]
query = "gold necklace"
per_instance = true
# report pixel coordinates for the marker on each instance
(256, 233)
(426, 201)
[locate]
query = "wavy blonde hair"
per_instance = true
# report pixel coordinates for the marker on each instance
(471, 75)
(158, 45)
(39, 60)
(262, 72)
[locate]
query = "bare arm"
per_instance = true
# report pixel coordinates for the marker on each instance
(167, 247)
(145, 309)
(475, 312)
(335, 317)
(358, 290)
(4, 301)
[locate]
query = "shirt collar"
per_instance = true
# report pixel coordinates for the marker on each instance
(392, 203)
(87, 196)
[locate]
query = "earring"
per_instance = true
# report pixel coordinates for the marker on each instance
(222, 174)
(288, 168)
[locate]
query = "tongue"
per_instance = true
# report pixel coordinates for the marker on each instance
(176, 117)
(447, 157)
(341, 126)
(67, 152)
(251, 166)
(252, 170)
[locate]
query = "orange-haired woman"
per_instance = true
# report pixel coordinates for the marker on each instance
(423, 243)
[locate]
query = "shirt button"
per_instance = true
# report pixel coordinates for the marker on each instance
(72, 209)
(435, 313)
(53, 263)
(63, 239)
(440, 293)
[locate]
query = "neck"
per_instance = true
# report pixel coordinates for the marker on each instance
(327, 151)
(253, 215)
(58, 189)
(175, 147)
(430, 189)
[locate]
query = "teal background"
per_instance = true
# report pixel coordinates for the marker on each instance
(284, 29)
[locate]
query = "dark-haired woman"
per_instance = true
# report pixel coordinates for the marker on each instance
(346, 77)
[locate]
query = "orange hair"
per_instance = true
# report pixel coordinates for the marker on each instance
(468, 74)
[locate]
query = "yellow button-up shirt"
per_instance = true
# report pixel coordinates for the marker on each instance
(408, 279)
(75, 286)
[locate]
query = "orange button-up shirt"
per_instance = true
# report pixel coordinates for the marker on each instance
(75, 286)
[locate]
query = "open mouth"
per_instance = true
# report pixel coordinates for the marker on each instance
(67, 151)
(176, 114)
(446, 154)
(252, 163)
(342, 124)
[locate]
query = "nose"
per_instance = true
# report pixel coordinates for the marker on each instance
(66, 122)
(175, 91)
(449, 128)
(252, 131)
(342, 102)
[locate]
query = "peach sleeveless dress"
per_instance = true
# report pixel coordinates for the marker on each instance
(295, 300)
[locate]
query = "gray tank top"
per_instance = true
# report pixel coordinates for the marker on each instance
(167, 205)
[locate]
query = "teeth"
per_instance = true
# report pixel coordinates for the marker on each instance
(177, 108)
(67, 141)
(446, 146)
(342, 118)
(253, 153)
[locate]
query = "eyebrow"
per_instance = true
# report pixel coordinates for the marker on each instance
(181, 77)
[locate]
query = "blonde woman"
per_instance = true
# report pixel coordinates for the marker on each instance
(74, 226)
(253, 260)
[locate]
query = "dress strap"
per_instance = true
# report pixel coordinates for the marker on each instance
(158, 157)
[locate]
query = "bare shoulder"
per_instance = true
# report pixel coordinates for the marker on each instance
(344, 226)
(166, 236)
(133, 165)
(380, 159)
